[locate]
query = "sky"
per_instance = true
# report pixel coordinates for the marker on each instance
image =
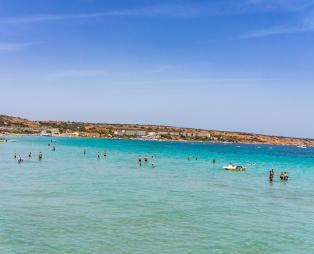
(235, 65)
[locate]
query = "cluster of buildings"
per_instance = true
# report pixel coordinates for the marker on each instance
(133, 133)
(159, 134)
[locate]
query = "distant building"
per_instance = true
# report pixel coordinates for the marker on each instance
(119, 133)
(174, 133)
(189, 134)
(135, 133)
(203, 135)
(163, 133)
(50, 132)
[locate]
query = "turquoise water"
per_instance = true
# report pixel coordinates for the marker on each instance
(71, 203)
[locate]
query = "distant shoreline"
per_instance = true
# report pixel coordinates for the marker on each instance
(15, 126)
(141, 139)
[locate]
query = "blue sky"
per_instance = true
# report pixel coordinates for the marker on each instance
(245, 65)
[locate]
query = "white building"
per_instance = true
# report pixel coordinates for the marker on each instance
(203, 135)
(135, 133)
(163, 133)
(50, 132)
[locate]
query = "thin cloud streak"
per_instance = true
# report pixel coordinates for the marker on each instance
(282, 5)
(303, 24)
(173, 10)
(161, 10)
(14, 46)
(79, 73)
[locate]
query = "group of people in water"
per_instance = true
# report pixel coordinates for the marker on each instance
(283, 176)
(20, 160)
(145, 158)
(98, 154)
(40, 154)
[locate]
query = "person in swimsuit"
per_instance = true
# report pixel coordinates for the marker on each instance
(40, 156)
(98, 155)
(30, 155)
(271, 175)
(282, 176)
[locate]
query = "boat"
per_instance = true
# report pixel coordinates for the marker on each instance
(233, 167)
(302, 146)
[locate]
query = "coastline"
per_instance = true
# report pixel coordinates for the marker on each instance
(150, 140)
(16, 126)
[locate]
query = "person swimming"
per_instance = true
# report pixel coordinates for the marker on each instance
(153, 165)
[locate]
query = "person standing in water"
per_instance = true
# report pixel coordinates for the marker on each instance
(14, 155)
(145, 158)
(98, 155)
(140, 160)
(84, 152)
(30, 155)
(20, 160)
(40, 156)
(53, 148)
(214, 161)
(271, 175)
(105, 153)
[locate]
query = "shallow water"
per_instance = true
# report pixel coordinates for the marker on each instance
(71, 203)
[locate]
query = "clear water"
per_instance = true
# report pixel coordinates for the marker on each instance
(71, 203)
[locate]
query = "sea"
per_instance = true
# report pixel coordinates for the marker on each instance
(178, 202)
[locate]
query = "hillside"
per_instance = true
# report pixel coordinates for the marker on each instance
(10, 125)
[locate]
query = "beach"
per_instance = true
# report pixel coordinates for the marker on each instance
(74, 203)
